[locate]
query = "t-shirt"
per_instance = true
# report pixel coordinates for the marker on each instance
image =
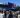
(10, 16)
(7, 15)
(1, 15)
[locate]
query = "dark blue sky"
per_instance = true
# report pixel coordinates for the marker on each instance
(17, 2)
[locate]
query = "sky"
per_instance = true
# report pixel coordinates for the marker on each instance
(17, 2)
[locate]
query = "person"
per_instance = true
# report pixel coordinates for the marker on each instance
(7, 14)
(14, 14)
(4, 14)
(1, 14)
(10, 15)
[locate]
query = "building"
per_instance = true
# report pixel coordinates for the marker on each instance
(10, 4)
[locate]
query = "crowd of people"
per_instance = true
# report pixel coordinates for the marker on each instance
(9, 14)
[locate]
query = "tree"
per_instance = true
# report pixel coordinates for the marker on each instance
(17, 8)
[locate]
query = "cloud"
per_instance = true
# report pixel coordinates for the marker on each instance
(1, 3)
